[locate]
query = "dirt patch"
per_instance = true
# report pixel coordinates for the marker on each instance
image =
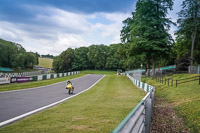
(165, 119)
(78, 127)
(79, 118)
(83, 127)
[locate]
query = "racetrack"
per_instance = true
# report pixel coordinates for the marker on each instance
(17, 103)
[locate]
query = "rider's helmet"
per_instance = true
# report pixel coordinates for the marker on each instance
(69, 82)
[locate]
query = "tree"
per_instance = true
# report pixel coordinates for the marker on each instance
(81, 61)
(67, 59)
(97, 55)
(112, 60)
(149, 30)
(19, 61)
(126, 29)
(63, 62)
(189, 25)
(57, 66)
(30, 60)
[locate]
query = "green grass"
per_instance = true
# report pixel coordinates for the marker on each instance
(98, 110)
(185, 98)
(98, 72)
(45, 62)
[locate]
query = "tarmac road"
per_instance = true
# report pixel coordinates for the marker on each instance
(17, 103)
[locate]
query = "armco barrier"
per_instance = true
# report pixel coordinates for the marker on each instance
(139, 119)
(56, 75)
(6, 80)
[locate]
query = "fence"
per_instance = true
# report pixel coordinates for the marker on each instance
(137, 74)
(159, 72)
(187, 80)
(22, 74)
(139, 119)
(180, 81)
(165, 81)
(35, 78)
(194, 69)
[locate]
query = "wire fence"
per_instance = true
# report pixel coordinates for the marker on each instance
(194, 69)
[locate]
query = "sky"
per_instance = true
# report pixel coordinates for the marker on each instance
(52, 26)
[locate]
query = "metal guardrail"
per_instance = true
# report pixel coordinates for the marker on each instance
(22, 74)
(7, 80)
(139, 119)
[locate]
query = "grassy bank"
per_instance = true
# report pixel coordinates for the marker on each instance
(98, 110)
(185, 99)
(45, 62)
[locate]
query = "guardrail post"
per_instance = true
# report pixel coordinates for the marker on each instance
(147, 114)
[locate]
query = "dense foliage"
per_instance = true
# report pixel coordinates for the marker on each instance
(100, 57)
(147, 31)
(13, 55)
(188, 34)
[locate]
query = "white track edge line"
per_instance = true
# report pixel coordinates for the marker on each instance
(40, 86)
(42, 108)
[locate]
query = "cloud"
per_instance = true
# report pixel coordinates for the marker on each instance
(174, 16)
(53, 30)
(16, 9)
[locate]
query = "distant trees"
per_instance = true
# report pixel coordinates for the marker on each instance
(99, 57)
(81, 61)
(47, 56)
(13, 55)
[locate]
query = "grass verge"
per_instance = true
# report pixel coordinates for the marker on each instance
(98, 110)
(185, 99)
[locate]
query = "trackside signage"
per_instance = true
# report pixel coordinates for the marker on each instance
(4, 80)
(21, 79)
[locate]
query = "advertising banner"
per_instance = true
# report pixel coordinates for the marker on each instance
(13, 80)
(4, 80)
(23, 79)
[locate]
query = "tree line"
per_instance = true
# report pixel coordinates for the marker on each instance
(146, 41)
(13, 55)
(100, 57)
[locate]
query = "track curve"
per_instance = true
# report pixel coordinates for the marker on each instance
(16, 103)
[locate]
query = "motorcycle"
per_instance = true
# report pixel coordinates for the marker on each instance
(70, 87)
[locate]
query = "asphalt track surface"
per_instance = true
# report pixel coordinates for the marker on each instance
(16, 103)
